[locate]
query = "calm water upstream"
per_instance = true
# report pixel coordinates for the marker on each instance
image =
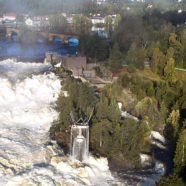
(33, 52)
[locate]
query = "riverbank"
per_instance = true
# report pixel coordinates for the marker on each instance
(122, 166)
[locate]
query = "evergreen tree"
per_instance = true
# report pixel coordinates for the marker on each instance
(136, 56)
(107, 109)
(170, 53)
(108, 24)
(81, 24)
(173, 120)
(178, 49)
(100, 136)
(180, 155)
(115, 59)
(163, 111)
(58, 22)
(169, 70)
(147, 107)
(130, 140)
(183, 42)
(97, 48)
(158, 61)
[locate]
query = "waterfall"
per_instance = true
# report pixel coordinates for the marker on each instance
(27, 156)
(79, 146)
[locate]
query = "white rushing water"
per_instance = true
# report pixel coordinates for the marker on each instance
(27, 98)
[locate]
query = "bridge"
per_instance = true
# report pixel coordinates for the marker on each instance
(47, 35)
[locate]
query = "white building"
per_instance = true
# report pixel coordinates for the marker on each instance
(97, 29)
(9, 17)
(98, 20)
(100, 2)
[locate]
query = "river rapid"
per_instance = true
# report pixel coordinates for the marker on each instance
(28, 92)
(27, 156)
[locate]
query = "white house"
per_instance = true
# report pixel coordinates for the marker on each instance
(9, 17)
(97, 29)
(100, 2)
(98, 20)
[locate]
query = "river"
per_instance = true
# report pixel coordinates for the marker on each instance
(33, 51)
(27, 156)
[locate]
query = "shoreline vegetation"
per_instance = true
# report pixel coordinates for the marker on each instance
(156, 102)
(106, 127)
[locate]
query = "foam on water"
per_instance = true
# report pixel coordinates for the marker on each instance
(26, 114)
(14, 71)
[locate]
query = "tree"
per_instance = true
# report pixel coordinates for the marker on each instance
(58, 22)
(83, 43)
(169, 70)
(117, 21)
(178, 49)
(124, 80)
(163, 35)
(108, 24)
(170, 53)
(147, 107)
(149, 88)
(183, 37)
(81, 24)
(158, 61)
(80, 102)
(130, 29)
(100, 136)
(86, 98)
(136, 56)
(115, 59)
(163, 112)
(130, 140)
(183, 42)
(173, 120)
(82, 97)
(107, 109)
(97, 48)
(180, 156)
